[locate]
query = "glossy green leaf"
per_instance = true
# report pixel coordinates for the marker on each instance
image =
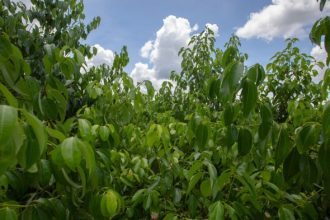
(216, 211)
(150, 88)
(326, 121)
(282, 148)
(8, 118)
(309, 172)
(228, 114)
(245, 141)
(256, 74)
(104, 133)
(55, 134)
(323, 157)
(109, 203)
(7, 94)
(71, 153)
(228, 56)
(266, 121)
(202, 135)
(153, 135)
(307, 136)
(291, 164)
(38, 129)
(84, 128)
(89, 156)
(229, 83)
(249, 96)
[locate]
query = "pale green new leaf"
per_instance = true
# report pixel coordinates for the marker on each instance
(71, 152)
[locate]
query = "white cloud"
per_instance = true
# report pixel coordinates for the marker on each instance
(162, 52)
(319, 54)
(103, 56)
(214, 28)
(174, 34)
(26, 2)
(282, 18)
(142, 72)
(146, 49)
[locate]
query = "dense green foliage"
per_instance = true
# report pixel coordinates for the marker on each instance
(224, 141)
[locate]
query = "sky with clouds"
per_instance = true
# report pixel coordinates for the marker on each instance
(155, 30)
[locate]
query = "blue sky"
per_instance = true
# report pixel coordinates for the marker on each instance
(263, 25)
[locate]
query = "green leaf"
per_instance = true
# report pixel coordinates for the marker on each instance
(138, 196)
(249, 96)
(232, 135)
(5, 45)
(59, 100)
(285, 214)
(8, 119)
(291, 164)
(78, 56)
(38, 129)
(67, 67)
(88, 153)
(221, 181)
(193, 181)
(153, 135)
(228, 56)
(282, 148)
(109, 203)
(7, 94)
(326, 122)
(55, 134)
(256, 74)
(47, 64)
(7, 214)
(323, 157)
(170, 216)
(309, 172)
(104, 133)
(29, 153)
(85, 129)
(307, 136)
(71, 153)
(147, 202)
(212, 170)
(150, 88)
(228, 114)
(213, 87)
(231, 77)
(245, 141)
(205, 188)
(216, 211)
(3, 185)
(266, 121)
(202, 135)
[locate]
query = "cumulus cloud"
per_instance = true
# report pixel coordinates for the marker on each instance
(174, 34)
(319, 54)
(214, 28)
(162, 52)
(146, 49)
(103, 56)
(282, 18)
(142, 72)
